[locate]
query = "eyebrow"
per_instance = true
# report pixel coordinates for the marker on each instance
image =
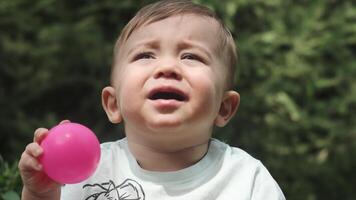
(152, 43)
(188, 44)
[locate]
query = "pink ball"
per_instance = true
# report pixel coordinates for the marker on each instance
(71, 153)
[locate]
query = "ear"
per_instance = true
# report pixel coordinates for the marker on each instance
(110, 105)
(228, 108)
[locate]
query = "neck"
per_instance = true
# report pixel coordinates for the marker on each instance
(155, 159)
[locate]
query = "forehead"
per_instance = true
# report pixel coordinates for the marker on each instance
(188, 27)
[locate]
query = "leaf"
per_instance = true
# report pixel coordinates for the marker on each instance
(10, 195)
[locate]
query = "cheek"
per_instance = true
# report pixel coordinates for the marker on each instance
(130, 81)
(129, 91)
(208, 83)
(207, 93)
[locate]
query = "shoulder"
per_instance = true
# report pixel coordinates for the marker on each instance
(234, 155)
(113, 149)
(113, 145)
(247, 172)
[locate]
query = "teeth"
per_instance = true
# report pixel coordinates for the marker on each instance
(167, 96)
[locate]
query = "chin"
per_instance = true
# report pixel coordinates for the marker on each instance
(164, 124)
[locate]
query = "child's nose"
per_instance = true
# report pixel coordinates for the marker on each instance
(169, 72)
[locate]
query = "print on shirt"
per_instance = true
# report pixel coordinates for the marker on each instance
(127, 190)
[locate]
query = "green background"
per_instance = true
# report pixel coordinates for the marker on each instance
(296, 77)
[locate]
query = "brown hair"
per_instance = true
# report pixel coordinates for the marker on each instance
(167, 8)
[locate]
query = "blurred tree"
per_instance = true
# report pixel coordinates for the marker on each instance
(296, 77)
(297, 83)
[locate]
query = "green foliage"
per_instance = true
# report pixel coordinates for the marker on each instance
(10, 183)
(296, 77)
(11, 195)
(297, 83)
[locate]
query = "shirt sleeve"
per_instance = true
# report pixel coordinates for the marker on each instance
(266, 188)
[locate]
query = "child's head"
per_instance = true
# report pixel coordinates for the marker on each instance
(168, 8)
(172, 69)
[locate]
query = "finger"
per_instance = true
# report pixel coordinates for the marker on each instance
(40, 134)
(34, 149)
(28, 163)
(64, 121)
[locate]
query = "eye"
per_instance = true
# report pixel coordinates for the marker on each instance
(190, 56)
(143, 55)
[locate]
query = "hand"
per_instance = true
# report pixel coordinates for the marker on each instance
(36, 182)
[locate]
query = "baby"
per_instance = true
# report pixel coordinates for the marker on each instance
(171, 81)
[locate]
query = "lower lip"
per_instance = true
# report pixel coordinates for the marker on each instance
(163, 103)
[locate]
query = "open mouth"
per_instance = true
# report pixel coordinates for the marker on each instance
(167, 95)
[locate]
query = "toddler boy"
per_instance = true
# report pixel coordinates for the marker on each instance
(171, 81)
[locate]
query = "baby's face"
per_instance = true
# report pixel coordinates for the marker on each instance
(169, 77)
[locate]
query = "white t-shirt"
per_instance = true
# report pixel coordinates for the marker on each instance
(224, 173)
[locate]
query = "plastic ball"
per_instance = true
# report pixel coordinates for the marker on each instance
(71, 153)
